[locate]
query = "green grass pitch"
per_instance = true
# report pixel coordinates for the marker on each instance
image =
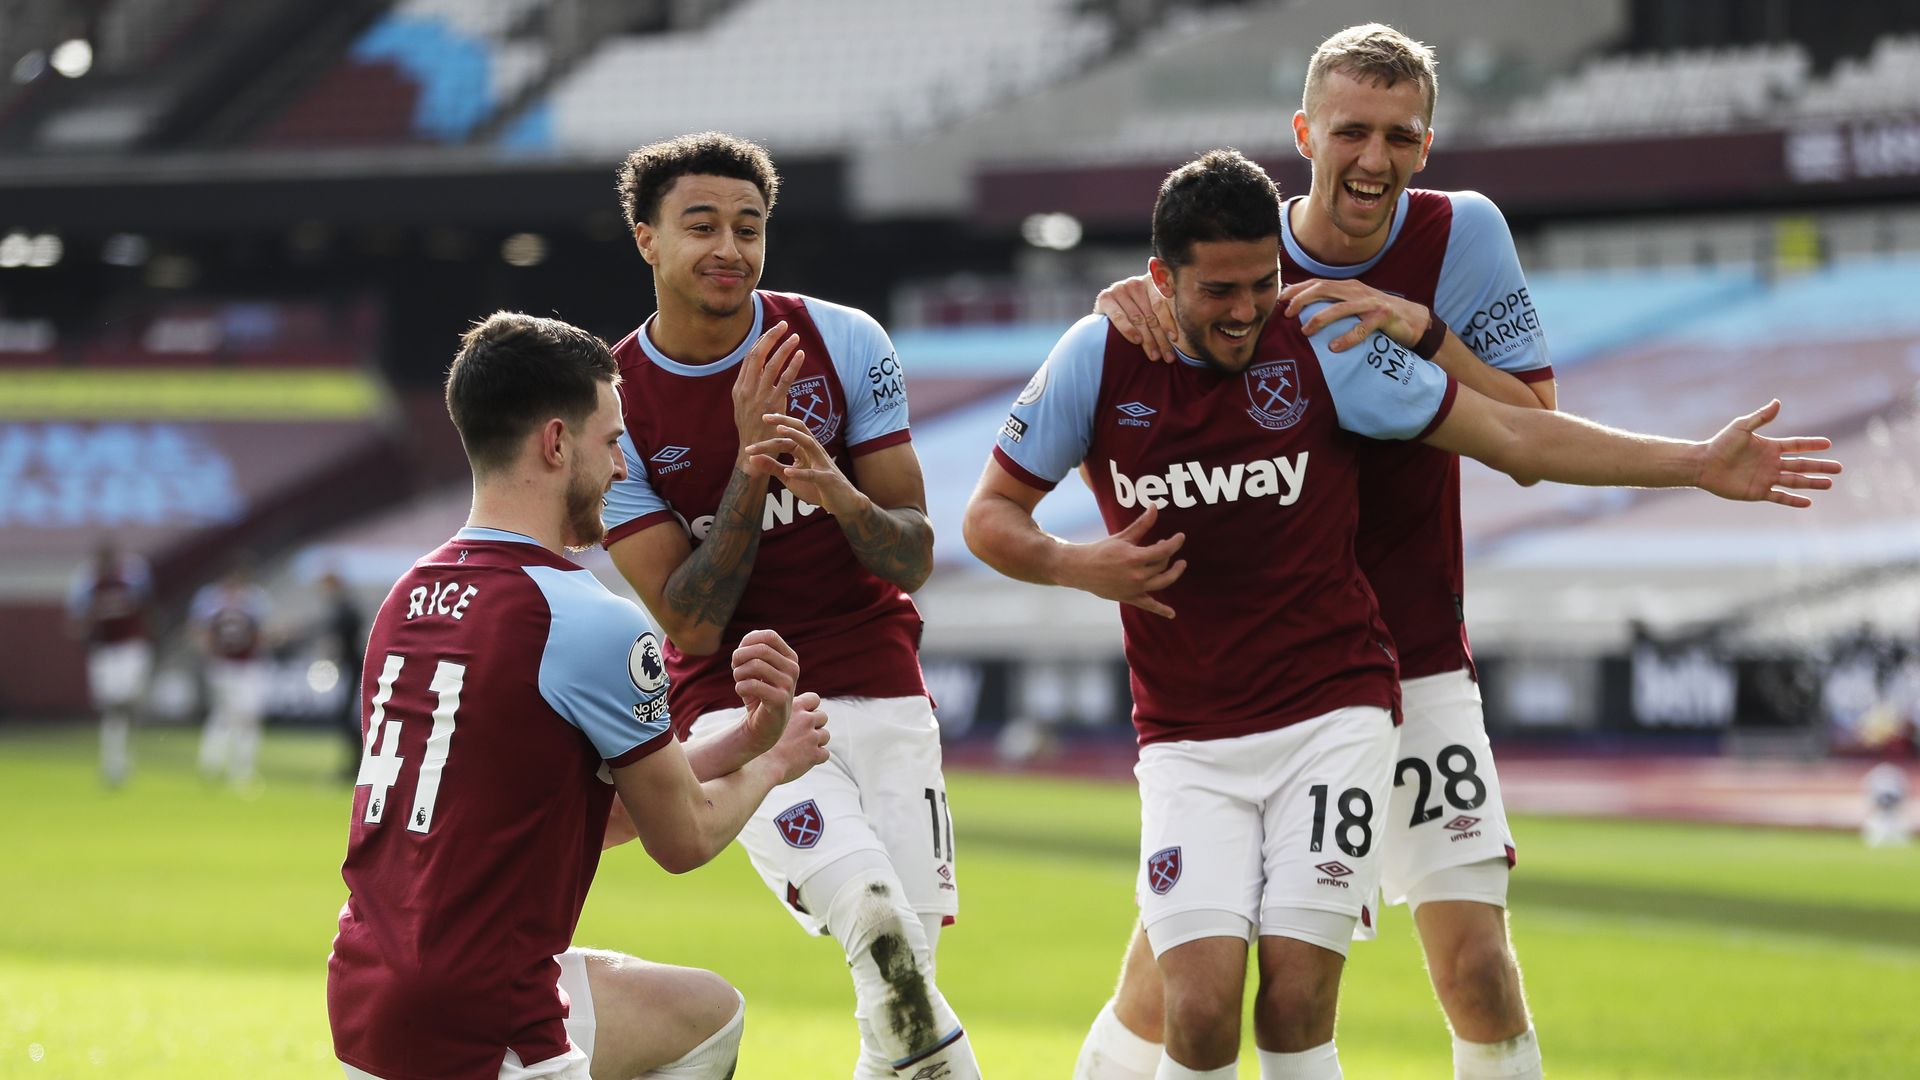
(178, 930)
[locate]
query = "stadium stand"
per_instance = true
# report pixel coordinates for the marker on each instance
(1886, 80)
(434, 70)
(1687, 91)
(807, 76)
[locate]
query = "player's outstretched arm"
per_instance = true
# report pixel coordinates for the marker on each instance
(881, 509)
(1142, 314)
(1000, 529)
(1738, 463)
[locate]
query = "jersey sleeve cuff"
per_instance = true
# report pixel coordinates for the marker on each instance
(629, 757)
(1534, 375)
(628, 528)
(1019, 472)
(880, 442)
(1440, 414)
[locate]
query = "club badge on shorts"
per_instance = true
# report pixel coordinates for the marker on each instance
(1163, 870)
(801, 825)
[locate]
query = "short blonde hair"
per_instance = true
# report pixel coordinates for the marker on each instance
(1376, 53)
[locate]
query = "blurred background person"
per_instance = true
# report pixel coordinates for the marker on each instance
(341, 635)
(229, 625)
(107, 607)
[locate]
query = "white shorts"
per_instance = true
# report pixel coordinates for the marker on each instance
(1446, 809)
(1263, 824)
(117, 673)
(571, 1065)
(880, 790)
(238, 689)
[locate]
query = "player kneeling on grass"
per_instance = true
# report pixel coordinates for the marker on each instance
(508, 697)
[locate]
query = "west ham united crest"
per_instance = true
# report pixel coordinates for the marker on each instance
(1273, 390)
(801, 826)
(1163, 870)
(810, 401)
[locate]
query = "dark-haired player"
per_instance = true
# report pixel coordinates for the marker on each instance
(1266, 709)
(508, 697)
(1409, 264)
(717, 535)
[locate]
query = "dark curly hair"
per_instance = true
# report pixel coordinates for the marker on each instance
(649, 171)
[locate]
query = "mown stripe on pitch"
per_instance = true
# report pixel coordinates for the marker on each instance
(1837, 922)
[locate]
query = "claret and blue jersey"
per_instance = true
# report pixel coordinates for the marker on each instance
(1276, 623)
(859, 634)
(502, 681)
(1452, 251)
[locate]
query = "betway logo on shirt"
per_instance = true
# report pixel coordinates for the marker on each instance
(781, 508)
(1189, 483)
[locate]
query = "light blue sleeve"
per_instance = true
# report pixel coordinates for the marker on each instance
(602, 669)
(139, 576)
(869, 369)
(78, 586)
(205, 603)
(1051, 425)
(258, 602)
(1482, 294)
(632, 498)
(1379, 389)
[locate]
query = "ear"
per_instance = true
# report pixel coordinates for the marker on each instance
(1300, 128)
(553, 443)
(643, 240)
(1426, 147)
(1162, 276)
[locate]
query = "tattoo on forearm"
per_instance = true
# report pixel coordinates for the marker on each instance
(895, 544)
(707, 587)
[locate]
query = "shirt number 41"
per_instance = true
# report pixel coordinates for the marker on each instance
(380, 767)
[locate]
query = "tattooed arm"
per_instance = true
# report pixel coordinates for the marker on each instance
(692, 591)
(893, 537)
(882, 509)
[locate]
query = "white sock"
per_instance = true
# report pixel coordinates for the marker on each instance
(1319, 1063)
(114, 755)
(246, 748)
(1172, 1070)
(905, 1021)
(1517, 1058)
(213, 745)
(1113, 1052)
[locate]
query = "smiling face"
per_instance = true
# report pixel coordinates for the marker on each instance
(594, 465)
(1366, 141)
(706, 244)
(1222, 297)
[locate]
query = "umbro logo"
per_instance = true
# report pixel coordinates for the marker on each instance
(672, 459)
(1461, 823)
(1334, 871)
(1134, 414)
